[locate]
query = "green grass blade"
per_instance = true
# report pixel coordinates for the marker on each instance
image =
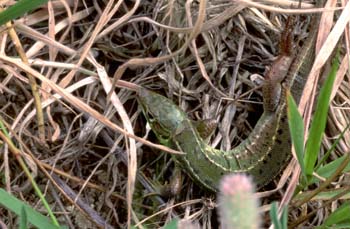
(327, 170)
(23, 221)
(19, 9)
(274, 216)
(339, 194)
(284, 218)
(296, 128)
(15, 205)
(27, 172)
(172, 224)
(337, 226)
(319, 123)
(339, 216)
(326, 155)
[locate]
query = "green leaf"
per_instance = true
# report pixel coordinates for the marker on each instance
(324, 195)
(172, 224)
(319, 123)
(296, 128)
(327, 170)
(274, 216)
(23, 222)
(324, 158)
(284, 218)
(15, 205)
(341, 215)
(19, 9)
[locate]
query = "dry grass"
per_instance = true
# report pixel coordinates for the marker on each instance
(90, 148)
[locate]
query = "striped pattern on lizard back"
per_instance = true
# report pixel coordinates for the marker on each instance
(263, 154)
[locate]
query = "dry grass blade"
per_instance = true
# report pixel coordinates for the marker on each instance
(208, 57)
(148, 61)
(33, 84)
(80, 105)
(323, 55)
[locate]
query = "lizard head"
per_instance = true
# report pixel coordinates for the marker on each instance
(161, 113)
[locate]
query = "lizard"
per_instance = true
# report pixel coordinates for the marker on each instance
(267, 148)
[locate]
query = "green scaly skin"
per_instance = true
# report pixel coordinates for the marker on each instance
(205, 164)
(266, 150)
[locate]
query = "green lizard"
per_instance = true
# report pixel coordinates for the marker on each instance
(266, 150)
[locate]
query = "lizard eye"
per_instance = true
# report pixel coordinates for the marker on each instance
(149, 116)
(158, 128)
